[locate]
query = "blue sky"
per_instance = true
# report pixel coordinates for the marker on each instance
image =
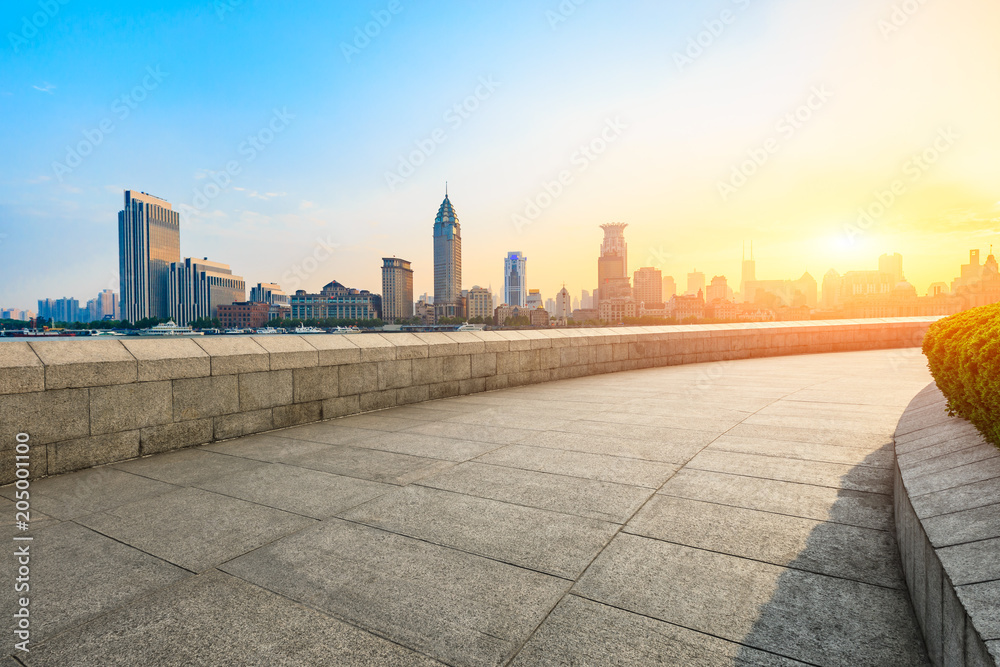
(223, 72)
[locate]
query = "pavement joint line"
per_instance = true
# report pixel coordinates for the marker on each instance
(534, 507)
(793, 516)
(696, 630)
(775, 479)
(452, 547)
(767, 562)
(577, 451)
(353, 444)
(562, 474)
(720, 447)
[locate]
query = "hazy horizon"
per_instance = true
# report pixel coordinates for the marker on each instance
(832, 103)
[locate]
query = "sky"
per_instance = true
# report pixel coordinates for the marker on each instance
(302, 142)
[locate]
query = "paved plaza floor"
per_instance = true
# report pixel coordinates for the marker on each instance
(733, 513)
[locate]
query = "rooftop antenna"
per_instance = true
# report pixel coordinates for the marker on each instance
(446, 188)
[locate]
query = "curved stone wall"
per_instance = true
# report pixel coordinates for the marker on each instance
(86, 402)
(947, 504)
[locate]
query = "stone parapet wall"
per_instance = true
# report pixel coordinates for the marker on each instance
(86, 402)
(947, 508)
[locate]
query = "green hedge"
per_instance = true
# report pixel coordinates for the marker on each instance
(963, 352)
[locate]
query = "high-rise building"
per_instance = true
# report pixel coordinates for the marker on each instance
(269, 293)
(197, 287)
(149, 240)
(397, 289)
(748, 274)
(515, 279)
(612, 265)
(696, 282)
(534, 299)
(831, 290)
(447, 262)
(586, 300)
(669, 287)
(480, 303)
(647, 286)
(718, 290)
(893, 265)
(564, 306)
(108, 305)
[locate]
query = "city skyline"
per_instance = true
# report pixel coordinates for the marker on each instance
(674, 171)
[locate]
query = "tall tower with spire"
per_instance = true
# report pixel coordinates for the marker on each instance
(447, 262)
(749, 272)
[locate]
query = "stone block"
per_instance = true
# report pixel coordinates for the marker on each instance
(130, 406)
(427, 371)
(467, 342)
(438, 344)
(378, 400)
(85, 363)
(316, 384)
(407, 345)
(265, 390)
(334, 349)
(492, 340)
(38, 465)
(243, 423)
(234, 354)
(483, 364)
(442, 390)
(197, 398)
(299, 413)
(92, 451)
(414, 394)
(20, 369)
(46, 416)
(372, 347)
(341, 406)
(358, 378)
(471, 386)
(457, 367)
(168, 359)
(156, 439)
(394, 374)
(288, 351)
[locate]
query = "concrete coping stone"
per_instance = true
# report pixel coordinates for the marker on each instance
(168, 358)
(20, 369)
(85, 363)
(949, 526)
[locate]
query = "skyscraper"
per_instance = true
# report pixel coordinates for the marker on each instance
(669, 287)
(748, 274)
(612, 265)
(149, 239)
(515, 279)
(696, 282)
(397, 289)
(647, 286)
(447, 262)
(893, 265)
(197, 287)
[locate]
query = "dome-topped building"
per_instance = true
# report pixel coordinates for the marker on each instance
(447, 262)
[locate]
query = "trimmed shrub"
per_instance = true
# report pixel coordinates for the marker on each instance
(963, 352)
